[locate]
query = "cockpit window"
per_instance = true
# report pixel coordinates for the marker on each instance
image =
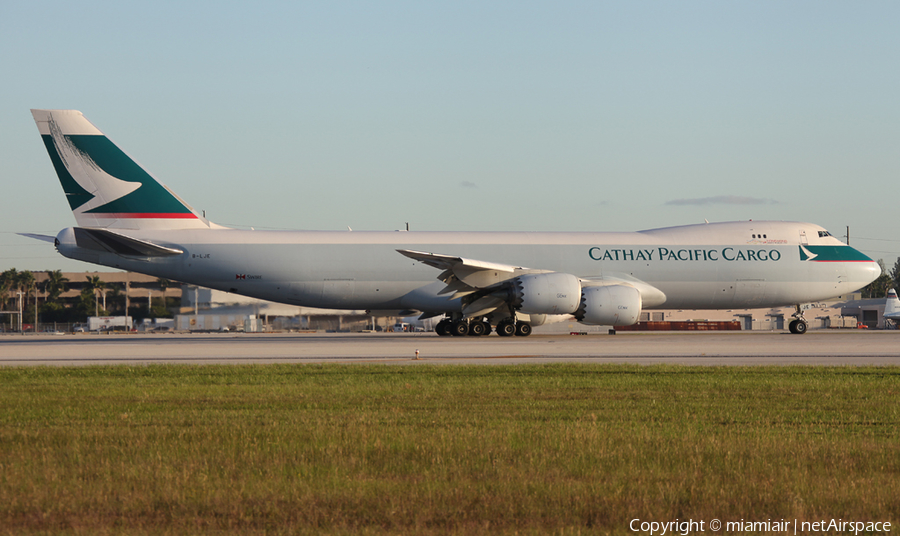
(823, 234)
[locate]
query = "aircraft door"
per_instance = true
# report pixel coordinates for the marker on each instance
(749, 292)
(338, 292)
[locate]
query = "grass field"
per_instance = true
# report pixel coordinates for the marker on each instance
(563, 449)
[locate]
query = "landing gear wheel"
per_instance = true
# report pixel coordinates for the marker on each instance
(459, 329)
(523, 329)
(487, 328)
(442, 328)
(476, 329)
(506, 328)
(798, 325)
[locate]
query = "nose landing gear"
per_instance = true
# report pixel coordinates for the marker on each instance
(798, 326)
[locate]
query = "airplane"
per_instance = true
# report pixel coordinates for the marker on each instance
(508, 282)
(892, 307)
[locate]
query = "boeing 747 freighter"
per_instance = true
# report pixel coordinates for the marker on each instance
(479, 281)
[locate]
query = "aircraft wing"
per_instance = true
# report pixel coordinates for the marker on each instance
(448, 262)
(466, 276)
(480, 279)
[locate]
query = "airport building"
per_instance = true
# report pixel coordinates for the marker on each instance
(205, 309)
(133, 288)
(195, 308)
(122, 293)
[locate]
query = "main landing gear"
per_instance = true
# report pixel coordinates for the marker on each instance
(799, 325)
(506, 328)
(479, 328)
(509, 327)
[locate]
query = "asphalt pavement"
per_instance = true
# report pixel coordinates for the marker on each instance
(821, 347)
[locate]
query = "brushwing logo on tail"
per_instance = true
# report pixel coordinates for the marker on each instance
(102, 182)
(87, 174)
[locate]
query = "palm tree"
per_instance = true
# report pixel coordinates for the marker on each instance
(26, 283)
(94, 284)
(9, 280)
(115, 297)
(55, 284)
(163, 284)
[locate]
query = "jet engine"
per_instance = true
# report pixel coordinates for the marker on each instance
(611, 305)
(546, 294)
(559, 293)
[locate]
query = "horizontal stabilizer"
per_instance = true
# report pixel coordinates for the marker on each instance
(45, 238)
(106, 240)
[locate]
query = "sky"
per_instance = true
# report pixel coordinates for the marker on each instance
(458, 116)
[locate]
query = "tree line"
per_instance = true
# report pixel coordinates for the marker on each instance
(53, 308)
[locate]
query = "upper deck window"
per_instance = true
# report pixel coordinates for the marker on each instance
(823, 234)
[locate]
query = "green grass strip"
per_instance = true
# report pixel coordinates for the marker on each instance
(565, 449)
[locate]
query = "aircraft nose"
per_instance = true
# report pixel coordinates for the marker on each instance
(865, 271)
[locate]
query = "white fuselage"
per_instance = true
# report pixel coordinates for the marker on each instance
(707, 266)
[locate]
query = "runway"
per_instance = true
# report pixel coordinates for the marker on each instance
(831, 347)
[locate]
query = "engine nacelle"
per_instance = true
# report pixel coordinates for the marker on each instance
(611, 305)
(546, 294)
(534, 320)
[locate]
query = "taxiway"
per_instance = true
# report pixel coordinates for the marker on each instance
(849, 347)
